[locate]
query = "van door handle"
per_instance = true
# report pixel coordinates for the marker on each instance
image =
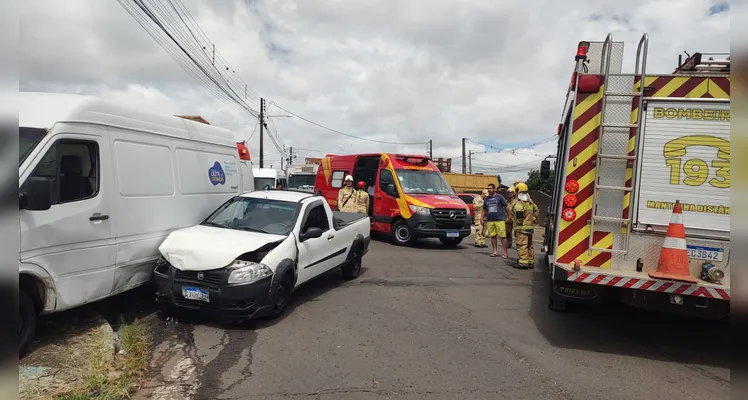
(330, 237)
(98, 217)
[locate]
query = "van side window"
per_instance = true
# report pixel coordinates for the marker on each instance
(316, 218)
(385, 178)
(466, 199)
(73, 168)
(337, 179)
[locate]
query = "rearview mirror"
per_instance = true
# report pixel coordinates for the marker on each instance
(545, 170)
(38, 196)
(311, 233)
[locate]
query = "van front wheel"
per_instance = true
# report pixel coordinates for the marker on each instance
(27, 321)
(401, 234)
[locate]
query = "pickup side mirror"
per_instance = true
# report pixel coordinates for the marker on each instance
(38, 196)
(311, 233)
(545, 170)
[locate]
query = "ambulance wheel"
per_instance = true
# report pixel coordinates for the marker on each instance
(451, 242)
(401, 233)
(556, 304)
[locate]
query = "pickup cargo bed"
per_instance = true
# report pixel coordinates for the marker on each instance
(342, 219)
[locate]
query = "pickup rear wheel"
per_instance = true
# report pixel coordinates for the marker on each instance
(352, 269)
(401, 234)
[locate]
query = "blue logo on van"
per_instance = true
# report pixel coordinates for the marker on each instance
(216, 174)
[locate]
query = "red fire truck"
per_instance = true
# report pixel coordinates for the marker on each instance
(629, 146)
(409, 197)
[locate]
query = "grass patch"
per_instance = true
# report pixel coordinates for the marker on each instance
(113, 378)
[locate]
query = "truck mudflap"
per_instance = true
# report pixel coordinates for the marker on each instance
(564, 275)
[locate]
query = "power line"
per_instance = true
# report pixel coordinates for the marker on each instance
(343, 133)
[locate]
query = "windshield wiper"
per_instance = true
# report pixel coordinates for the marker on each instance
(207, 223)
(246, 228)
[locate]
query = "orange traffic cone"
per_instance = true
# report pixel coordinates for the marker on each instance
(673, 262)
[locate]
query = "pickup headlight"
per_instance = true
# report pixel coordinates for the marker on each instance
(419, 209)
(247, 272)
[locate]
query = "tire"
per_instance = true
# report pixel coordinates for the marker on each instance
(401, 234)
(352, 269)
(282, 297)
(451, 242)
(27, 321)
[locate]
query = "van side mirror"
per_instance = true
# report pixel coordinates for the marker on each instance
(310, 233)
(38, 196)
(389, 189)
(545, 170)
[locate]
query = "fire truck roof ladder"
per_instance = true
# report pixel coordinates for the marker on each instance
(613, 157)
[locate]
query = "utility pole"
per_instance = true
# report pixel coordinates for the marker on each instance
(213, 60)
(470, 161)
(290, 156)
(431, 149)
(262, 125)
(463, 152)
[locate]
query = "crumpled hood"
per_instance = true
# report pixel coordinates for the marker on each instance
(202, 248)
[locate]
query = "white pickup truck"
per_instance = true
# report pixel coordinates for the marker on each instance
(248, 256)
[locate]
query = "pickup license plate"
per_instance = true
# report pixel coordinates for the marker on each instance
(453, 234)
(191, 293)
(705, 253)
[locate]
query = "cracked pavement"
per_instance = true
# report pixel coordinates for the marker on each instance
(434, 323)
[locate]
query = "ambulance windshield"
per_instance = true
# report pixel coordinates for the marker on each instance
(423, 182)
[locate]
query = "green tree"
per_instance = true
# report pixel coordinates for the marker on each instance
(535, 183)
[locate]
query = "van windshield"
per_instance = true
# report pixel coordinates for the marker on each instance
(264, 183)
(28, 138)
(423, 182)
(255, 215)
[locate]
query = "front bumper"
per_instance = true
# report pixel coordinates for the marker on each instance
(424, 225)
(230, 303)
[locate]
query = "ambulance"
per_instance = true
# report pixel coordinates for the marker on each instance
(408, 196)
(631, 145)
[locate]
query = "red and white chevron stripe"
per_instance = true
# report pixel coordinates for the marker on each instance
(654, 285)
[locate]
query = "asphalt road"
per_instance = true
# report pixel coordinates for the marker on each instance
(432, 323)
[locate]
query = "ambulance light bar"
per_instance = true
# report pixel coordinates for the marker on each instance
(582, 48)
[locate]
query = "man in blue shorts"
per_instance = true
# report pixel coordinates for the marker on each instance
(494, 218)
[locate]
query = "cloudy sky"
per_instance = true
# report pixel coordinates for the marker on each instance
(493, 71)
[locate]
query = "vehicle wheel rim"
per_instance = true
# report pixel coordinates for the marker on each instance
(402, 233)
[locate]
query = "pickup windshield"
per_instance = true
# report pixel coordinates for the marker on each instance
(28, 138)
(255, 215)
(301, 180)
(423, 182)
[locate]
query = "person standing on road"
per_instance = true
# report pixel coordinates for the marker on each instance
(347, 196)
(511, 198)
(362, 198)
(525, 214)
(480, 241)
(494, 216)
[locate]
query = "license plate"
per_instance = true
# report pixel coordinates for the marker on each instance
(191, 293)
(453, 234)
(705, 253)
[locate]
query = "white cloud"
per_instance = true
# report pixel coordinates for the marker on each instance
(492, 71)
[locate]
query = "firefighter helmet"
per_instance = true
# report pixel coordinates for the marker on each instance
(511, 189)
(361, 184)
(521, 187)
(349, 178)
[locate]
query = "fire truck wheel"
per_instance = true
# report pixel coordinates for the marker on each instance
(401, 234)
(556, 304)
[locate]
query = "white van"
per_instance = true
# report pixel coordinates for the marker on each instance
(268, 178)
(101, 185)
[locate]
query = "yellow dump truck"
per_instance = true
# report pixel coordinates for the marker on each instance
(469, 183)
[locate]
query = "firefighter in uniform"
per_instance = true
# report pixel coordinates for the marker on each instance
(511, 197)
(524, 214)
(480, 240)
(362, 198)
(347, 196)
